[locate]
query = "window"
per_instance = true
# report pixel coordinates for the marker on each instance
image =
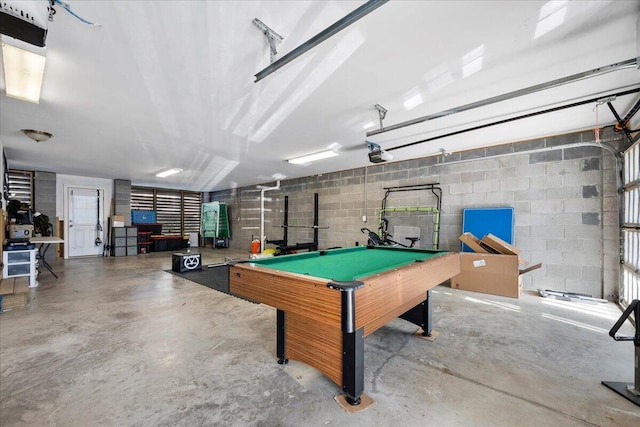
(143, 198)
(191, 209)
(178, 211)
(630, 286)
(169, 211)
(21, 186)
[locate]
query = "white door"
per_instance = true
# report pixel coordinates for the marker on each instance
(85, 225)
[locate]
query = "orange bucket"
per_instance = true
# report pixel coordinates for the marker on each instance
(255, 247)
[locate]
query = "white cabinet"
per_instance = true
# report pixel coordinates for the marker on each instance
(20, 263)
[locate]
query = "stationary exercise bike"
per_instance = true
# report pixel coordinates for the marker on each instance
(385, 240)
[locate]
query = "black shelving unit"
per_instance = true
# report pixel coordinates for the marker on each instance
(145, 231)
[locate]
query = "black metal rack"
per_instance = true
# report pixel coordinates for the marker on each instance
(283, 246)
(629, 391)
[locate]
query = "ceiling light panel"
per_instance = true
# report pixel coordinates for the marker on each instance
(313, 157)
(23, 73)
(168, 173)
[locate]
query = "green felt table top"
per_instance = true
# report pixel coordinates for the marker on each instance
(347, 264)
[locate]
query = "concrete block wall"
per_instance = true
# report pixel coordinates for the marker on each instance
(563, 192)
(122, 199)
(44, 195)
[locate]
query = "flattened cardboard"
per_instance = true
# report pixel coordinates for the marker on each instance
(490, 274)
(365, 403)
(432, 338)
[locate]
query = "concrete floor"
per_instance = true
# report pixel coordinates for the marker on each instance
(117, 341)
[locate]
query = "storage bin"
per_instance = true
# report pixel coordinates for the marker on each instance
(143, 217)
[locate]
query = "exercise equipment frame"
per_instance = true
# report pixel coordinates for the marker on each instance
(435, 190)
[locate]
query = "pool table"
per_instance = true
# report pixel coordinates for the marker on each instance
(328, 301)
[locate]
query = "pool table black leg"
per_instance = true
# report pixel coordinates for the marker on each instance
(427, 314)
(353, 365)
(281, 347)
(352, 342)
(353, 350)
(421, 315)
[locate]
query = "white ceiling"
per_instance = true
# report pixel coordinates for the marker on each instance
(171, 84)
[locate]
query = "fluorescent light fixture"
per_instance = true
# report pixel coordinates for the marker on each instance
(23, 73)
(313, 157)
(168, 173)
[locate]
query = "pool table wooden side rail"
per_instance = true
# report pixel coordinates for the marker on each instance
(390, 294)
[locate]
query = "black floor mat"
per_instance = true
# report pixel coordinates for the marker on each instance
(216, 278)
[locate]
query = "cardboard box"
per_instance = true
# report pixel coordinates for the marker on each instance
(476, 244)
(493, 268)
(14, 292)
(6, 286)
(473, 242)
(21, 285)
(494, 274)
(13, 300)
(14, 285)
(117, 221)
(500, 245)
(503, 247)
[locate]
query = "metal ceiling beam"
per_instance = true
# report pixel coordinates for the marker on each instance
(511, 95)
(623, 125)
(343, 23)
(512, 119)
(632, 112)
